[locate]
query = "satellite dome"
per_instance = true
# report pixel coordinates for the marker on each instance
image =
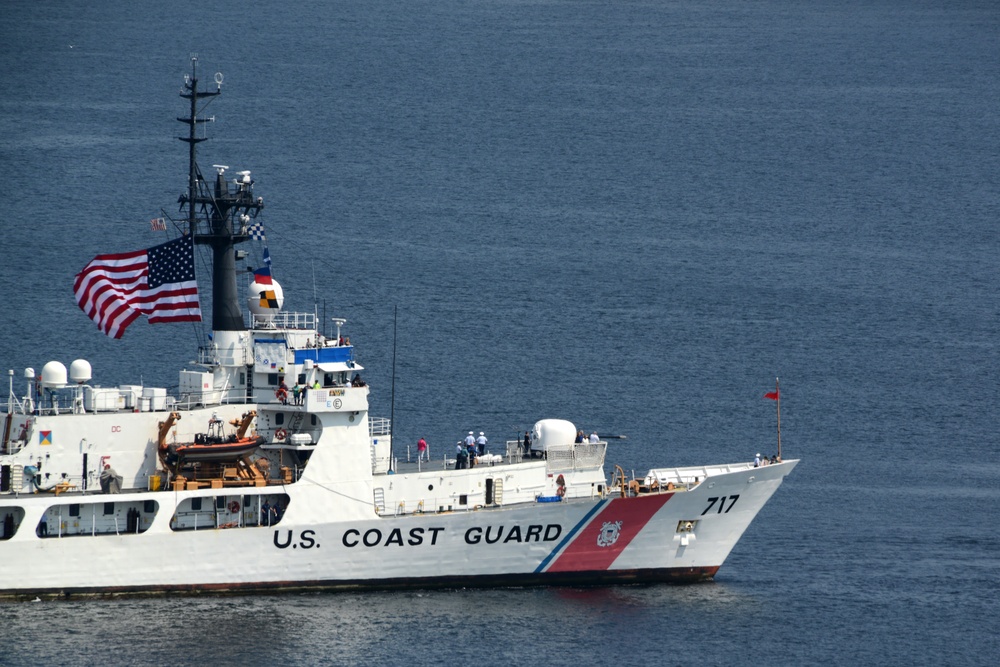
(80, 371)
(265, 301)
(54, 375)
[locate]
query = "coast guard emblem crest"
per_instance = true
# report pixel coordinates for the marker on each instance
(609, 533)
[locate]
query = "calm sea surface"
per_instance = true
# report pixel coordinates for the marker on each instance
(632, 215)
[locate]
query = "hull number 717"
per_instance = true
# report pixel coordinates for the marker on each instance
(722, 504)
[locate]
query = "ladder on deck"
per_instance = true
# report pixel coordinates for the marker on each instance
(295, 422)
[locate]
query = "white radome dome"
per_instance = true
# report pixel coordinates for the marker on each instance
(80, 371)
(263, 308)
(54, 375)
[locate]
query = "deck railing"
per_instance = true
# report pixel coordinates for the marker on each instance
(379, 426)
(564, 458)
(282, 321)
(584, 456)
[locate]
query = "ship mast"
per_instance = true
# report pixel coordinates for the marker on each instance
(216, 216)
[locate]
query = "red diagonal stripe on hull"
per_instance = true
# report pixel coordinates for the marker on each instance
(584, 554)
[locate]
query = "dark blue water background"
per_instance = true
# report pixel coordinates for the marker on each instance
(632, 215)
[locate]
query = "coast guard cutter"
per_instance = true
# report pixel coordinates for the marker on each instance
(264, 471)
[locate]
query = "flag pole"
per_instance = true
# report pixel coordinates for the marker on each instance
(777, 390)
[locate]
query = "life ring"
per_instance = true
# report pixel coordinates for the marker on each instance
(280, 434)
(234, 507)
(282, 394)
(561, 491)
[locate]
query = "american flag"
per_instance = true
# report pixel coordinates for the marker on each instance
(159, 282)
(158, 225)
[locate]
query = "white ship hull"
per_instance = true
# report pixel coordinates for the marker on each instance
(582, 541)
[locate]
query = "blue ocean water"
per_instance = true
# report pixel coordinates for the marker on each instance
(632, 215)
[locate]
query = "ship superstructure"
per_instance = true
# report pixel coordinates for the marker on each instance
(265, 471)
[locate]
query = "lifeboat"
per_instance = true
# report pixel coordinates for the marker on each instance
(207, 448)
(214, 445)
